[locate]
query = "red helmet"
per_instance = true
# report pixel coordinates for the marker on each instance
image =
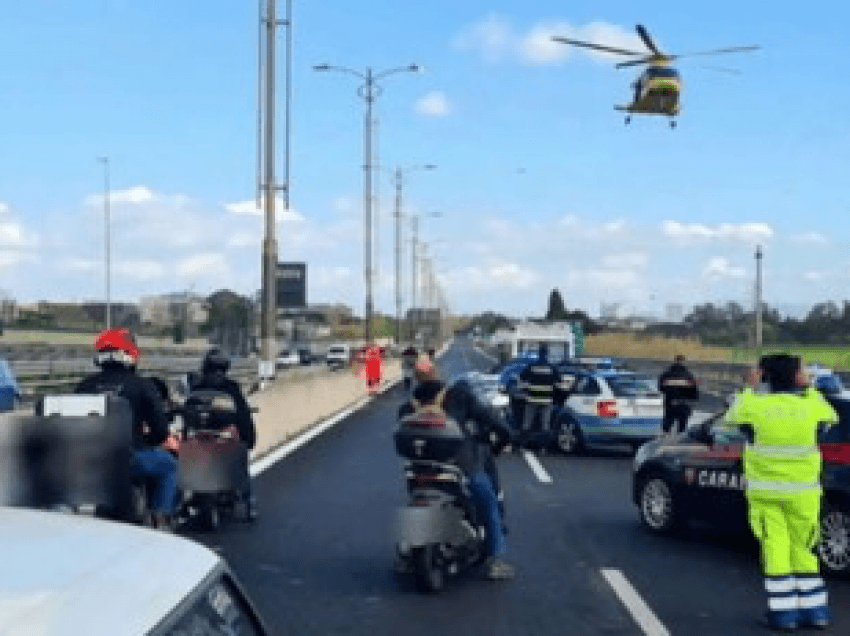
(117, 345)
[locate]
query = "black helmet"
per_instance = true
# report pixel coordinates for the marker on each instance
(216, 361)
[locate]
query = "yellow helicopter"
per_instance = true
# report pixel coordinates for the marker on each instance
(656, 91)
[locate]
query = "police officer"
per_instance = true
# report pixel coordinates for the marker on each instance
(679, 388)
(537, 387)
(782, 465)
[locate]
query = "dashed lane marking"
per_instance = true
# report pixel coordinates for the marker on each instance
(637, 607)
(537, 467)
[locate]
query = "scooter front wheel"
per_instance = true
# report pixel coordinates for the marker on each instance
(430, 574)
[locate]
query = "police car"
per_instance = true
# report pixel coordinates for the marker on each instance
(698, 475)
(607, 406)
(67, 575)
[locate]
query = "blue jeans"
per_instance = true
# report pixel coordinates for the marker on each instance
(157, 464)
(487, 504)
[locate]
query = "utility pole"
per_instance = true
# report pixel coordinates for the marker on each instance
(758, 301)
(369, 95)
(398, 190)
(106, 216)
(266, 180)
(415, 222)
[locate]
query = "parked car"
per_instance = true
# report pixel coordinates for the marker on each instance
(287, 358)
(70, 575)
(339, 355)
(699, 475)
(10, 392)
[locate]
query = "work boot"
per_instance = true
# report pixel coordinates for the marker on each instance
(819, 617)
(783, 620)
(498, 570)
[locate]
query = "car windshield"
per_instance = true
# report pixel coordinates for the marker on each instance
(623, 385)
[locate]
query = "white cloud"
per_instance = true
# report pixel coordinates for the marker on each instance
(4, 208)
(208, 264)
(434, 104)
(141, 270)
(134, 195)
(249, 208)
(626, 260)
(495, 38)
(492, 38)
(82, 265)
(495, 275)
(746, 232)
(614, 226)
(719, 267)
(571, 220)
(241, 240)
(811, 238)
(815, 277)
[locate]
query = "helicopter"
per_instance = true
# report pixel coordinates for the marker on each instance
(656, 91)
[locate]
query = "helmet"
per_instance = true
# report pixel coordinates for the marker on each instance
(117, 346)
(424, 370)
(216, 361)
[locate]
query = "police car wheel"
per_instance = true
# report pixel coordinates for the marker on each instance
(569, 439)
(834, 547)
(658, 508)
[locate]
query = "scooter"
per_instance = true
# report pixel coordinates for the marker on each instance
(438, 533)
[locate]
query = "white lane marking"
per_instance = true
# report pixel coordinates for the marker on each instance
(537, 467)
(639, 610)
(276, 455)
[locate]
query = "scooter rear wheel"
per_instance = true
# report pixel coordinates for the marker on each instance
(430, 574)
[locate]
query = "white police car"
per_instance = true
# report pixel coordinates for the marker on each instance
(607, 407)
(68, 575)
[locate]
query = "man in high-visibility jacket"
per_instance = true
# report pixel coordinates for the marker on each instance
(782, 466)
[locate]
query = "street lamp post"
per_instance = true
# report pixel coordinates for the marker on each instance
(399, 175)
(369, 91)
(106, 216)
(758, 300)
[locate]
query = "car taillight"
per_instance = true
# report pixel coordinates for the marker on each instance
(607, 408)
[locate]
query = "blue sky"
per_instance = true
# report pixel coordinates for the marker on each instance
(539, 184)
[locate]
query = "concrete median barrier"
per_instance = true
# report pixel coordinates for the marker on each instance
(293, 405)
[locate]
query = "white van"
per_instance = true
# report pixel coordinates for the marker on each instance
(69, 575)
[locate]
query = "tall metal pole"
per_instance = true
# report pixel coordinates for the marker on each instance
(758, 300)
(415, 222)
(367, 198)
(398, 189)
(269, 319)
(107, 239)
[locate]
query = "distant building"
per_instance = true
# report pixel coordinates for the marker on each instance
(608, 311)
(674, 312)
(169, 309)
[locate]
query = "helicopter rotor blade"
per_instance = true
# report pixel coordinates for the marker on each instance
(638, 62)
(722, 69)
(644, 35)
(733, 49)
(597, 47)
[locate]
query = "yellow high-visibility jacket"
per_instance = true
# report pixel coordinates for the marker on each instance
(783, 457)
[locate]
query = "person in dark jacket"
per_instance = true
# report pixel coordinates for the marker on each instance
(408, 360)
(680, 389)
(117, 357)
(537, 394)
(214, 378)
(476, 458)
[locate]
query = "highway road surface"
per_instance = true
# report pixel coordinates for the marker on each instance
(318, 561)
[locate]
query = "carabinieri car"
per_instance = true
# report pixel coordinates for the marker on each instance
(698, 475)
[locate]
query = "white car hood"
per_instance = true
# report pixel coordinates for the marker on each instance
(71, 575)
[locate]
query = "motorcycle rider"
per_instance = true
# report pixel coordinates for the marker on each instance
(117, 356)
(213, 377)
(476, 459)
(782, 465)
(679, 388)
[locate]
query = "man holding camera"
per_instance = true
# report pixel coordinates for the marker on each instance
(782, 466)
